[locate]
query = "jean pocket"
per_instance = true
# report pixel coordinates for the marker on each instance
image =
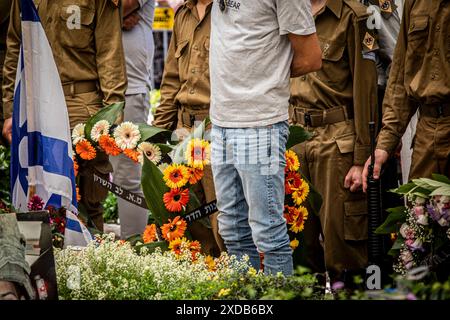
(355, 220)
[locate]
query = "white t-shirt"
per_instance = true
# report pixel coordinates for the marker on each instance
(139, 50)
(250, 59)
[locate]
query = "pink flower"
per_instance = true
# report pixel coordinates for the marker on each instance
(423, 219)
(406, 231)
(407, 259)
(35, 203)
(418, 211)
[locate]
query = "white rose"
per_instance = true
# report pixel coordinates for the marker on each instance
(443, 222)
(420, 201)
(404, 230)
(422, 219)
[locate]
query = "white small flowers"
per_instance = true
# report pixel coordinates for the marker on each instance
(127, 135)
(99, 129)
(151, 151)
(78, 134)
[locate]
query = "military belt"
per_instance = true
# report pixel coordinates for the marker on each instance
(315, 118)
(436, 110)
(78, 87)
(192, 114)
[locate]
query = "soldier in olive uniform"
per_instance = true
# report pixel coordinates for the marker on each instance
(5, 7)
(14, 270)
(91, 65)
(335, 105)
(419, 80)
(185, 88)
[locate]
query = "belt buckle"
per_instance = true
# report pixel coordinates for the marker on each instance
(440, 110)
(308, 121)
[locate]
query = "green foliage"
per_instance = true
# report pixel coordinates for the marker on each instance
(110, 209)
(395, 218)
(4, 173)
(297, 135)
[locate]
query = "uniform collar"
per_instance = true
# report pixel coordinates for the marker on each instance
(336, 7)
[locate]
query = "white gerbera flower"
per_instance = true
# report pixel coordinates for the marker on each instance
(127, 135)
(99, 129)
(151, 151)
(78, 134)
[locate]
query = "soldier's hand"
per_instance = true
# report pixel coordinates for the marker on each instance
(381, 157)
(130, 21)
(353, 180)
(7, 130)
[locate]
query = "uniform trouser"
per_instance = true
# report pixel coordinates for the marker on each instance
(81, 107)
(127, 173)
(342, 221)
(431, 148)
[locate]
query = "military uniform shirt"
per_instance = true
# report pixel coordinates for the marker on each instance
(348, 76)
(421, 67)
(186, 71)
(92, 51)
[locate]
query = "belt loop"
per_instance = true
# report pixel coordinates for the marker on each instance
(72, 89)
(344, 109)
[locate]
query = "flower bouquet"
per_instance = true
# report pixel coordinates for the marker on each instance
(421, 228)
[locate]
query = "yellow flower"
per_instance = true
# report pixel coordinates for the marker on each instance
(224, 292)
(294, 244)
(292, 163)
(299, 220)
(301, 193)
(198, 153)
(210, 263)
(175, 245)
(176, 176)
(252, 272)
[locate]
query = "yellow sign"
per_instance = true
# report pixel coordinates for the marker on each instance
(164, 18)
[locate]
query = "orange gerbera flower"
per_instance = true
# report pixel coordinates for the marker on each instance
(149, 234)
(78, 194)
(75, 167)
(176, 244)
(195, 248)
(289, 214)
(301, 215)
(300, 194)
(85, 150)
(176, 199)
(132, 154)
(176, 176)
(108, 144)
(174, 229)
(293, 180)
(195, 175)
(292, 163)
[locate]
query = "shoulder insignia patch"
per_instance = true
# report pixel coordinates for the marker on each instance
(387, 7)
(369, 41)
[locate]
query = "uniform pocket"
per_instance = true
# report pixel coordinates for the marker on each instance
(418, 29)
(181, 48)
(346, 143)
(355, 220)
(73, 34)
(334, 69)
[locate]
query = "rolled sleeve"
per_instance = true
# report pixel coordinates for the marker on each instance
(295, 17)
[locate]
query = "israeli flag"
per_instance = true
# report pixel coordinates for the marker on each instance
(75, 234)
(41, 154)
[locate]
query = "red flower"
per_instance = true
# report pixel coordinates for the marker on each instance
(176, 199)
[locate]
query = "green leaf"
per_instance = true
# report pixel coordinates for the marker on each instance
(441, 191)
(441, 178)
(110, 113)
(151, 247)
(297, 135)
(405, 189)
(433, 183)
(154, 189)
(165, 148)
(180, 149)
(134, 239)
(425, 184)
(395, 250)
(396, 215)
(148, 132)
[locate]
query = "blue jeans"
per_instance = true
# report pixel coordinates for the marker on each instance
(248, 167)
